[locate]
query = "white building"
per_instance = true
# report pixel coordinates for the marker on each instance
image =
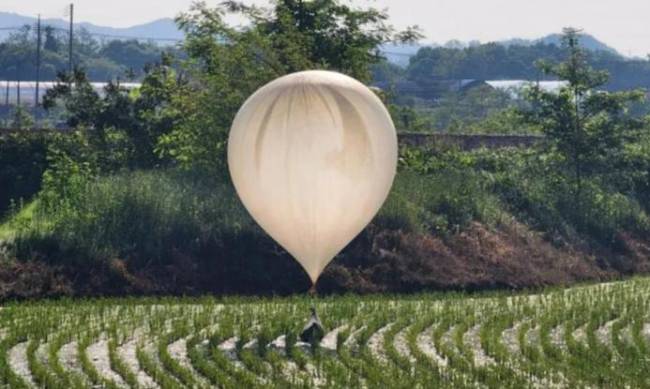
(516, 87)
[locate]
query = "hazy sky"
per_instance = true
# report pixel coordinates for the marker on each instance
(622, 24)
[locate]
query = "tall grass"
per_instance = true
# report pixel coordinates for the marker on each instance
(140, 215)
(146, 216)
(443, 201)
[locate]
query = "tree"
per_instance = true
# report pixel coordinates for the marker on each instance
(135, 119)
(102, 61)
(51, 40)
(21, 118)
(228, 63)
(585, 127)
(131, 54)
(17, 55)
(74, 91)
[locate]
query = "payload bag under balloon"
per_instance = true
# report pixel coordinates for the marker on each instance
(312, 156)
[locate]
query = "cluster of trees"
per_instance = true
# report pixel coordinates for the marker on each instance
(143, 176)
(485, 109)
(591, 137)
(102, 60)
(182, 112)
(480, 110)
(496, 61)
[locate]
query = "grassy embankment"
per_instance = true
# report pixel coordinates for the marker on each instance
(460, 220)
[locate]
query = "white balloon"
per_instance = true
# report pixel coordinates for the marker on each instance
(312, 156)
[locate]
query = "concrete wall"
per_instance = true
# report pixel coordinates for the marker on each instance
(468, 142)
(463, 142)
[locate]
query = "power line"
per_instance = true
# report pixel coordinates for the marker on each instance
(397, 54)
(136, 37)
(71, 42)
(38, 58)
(99, 34)
(165, 39)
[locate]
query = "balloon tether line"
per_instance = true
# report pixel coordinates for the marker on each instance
(313, 332)
(312, 290)
(313, 294)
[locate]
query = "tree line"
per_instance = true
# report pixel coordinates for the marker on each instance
(102, 60)
(496, 61)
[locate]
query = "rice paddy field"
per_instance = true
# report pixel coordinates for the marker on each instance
(587, 336)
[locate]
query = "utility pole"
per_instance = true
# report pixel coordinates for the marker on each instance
(71, 36)
(17, 84)
(38, 60)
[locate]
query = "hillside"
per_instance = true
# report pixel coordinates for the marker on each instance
(400, 54)
(138, 199)
(494, 61)
(161, 29)
(588, 41)
(455, 228)
(166, 31)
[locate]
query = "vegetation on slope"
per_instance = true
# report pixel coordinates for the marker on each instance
(137, 198)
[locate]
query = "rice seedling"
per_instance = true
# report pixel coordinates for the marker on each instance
(583, 336)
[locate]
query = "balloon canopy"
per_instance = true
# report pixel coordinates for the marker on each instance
(312, 156)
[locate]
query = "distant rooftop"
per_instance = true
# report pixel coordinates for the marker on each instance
(516, 85)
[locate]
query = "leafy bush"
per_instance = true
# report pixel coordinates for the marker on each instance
(455, 187)
(23, 159)
(143, 216)
(438, 193)
(146, 216)
(532, 187)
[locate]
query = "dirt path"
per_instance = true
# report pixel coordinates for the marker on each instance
(69, 356)
(18, 362)
(178, 351)
(426, 345)
(376, 344)
(127, 352)
(98, 355)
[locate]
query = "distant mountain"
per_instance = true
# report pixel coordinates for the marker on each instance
(589, 42)
(162, 30)
(166, 31)
(400, 54)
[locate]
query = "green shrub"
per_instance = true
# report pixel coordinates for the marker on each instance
(23, 159)
(30, 160)
(438, 194)
(443, 190)
(139, 215)
(608, 214)
(532, 188)
(147, 216)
